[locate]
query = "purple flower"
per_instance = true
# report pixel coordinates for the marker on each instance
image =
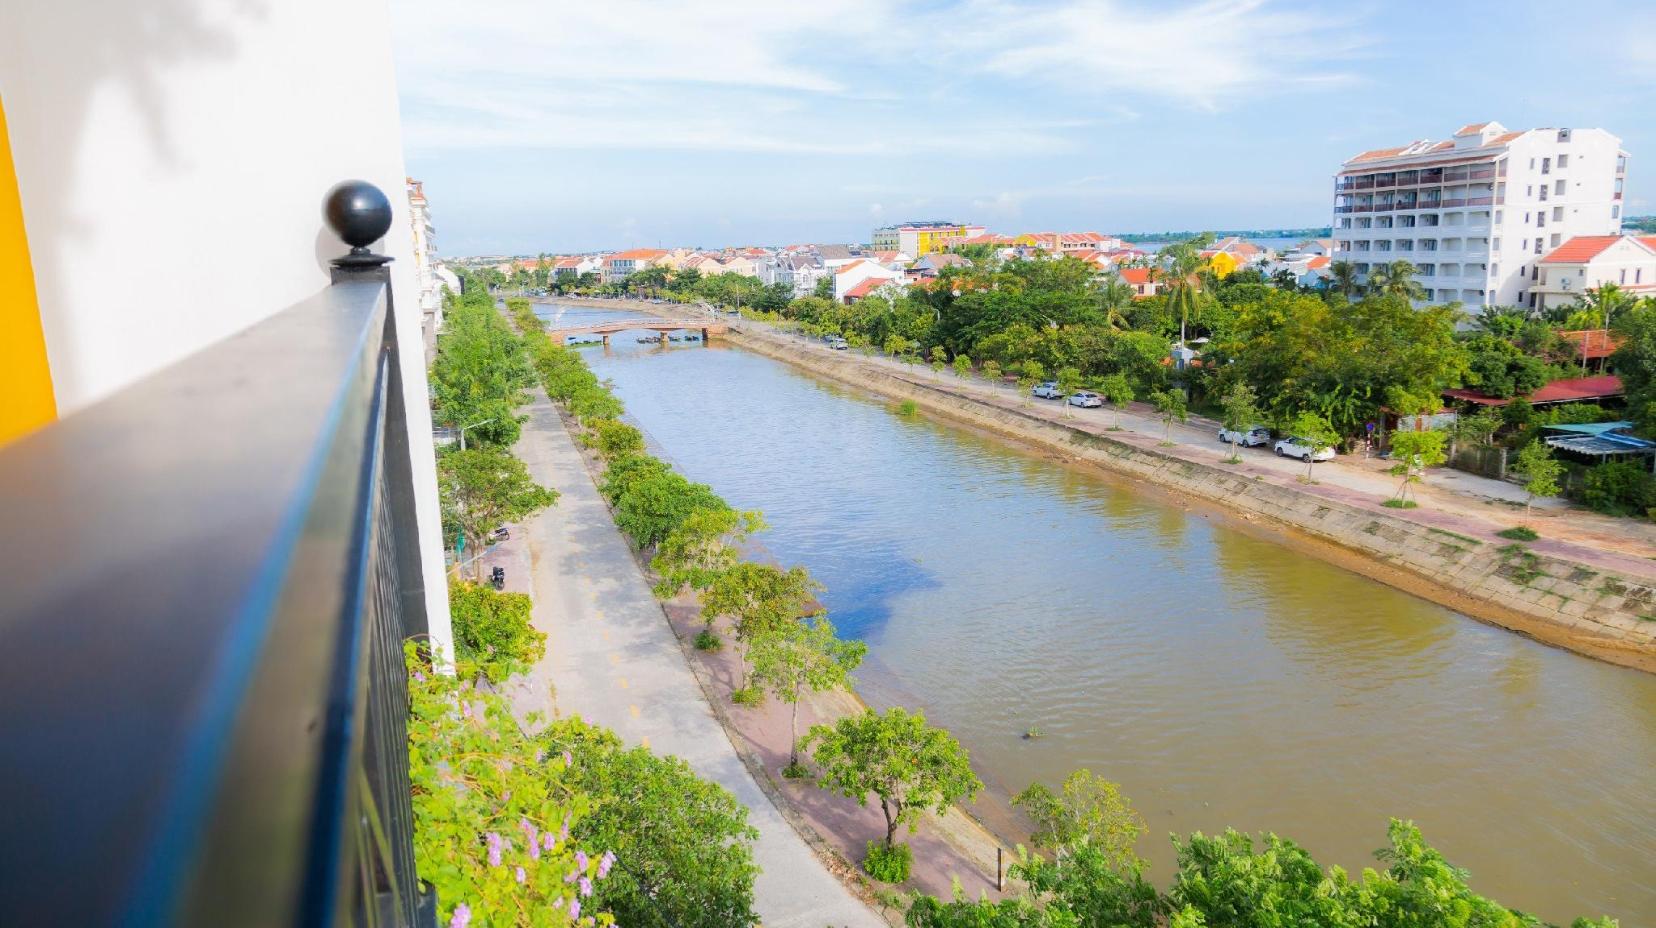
(574, 908)
(420, 677)
(568, 760)
(462, 916)
(557, 903)
(580, 860)
(586, 886)
(605, 863)
(495, 843)
(563, 833)
(520, 875)
(547, 842)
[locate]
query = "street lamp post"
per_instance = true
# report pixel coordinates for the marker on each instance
(474, 425)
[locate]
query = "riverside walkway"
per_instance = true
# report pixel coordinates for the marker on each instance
(612, 658)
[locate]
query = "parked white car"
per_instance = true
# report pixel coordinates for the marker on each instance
(1086, 399)
(1296, 447)
(1252, 438)
(1048, 390)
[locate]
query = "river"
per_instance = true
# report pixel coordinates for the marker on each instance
(1221, 678)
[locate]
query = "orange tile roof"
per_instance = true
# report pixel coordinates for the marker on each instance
(1135, 275)
(637, 254)
(1319, 261)
(1471, 129)
(1580, 249)
(1558, 391)
(846, 267)
(869, 286)
(1593, 343)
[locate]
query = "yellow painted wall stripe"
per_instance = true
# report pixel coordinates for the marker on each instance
(26, 400)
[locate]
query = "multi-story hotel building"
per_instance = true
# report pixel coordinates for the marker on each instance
(918, 239)
(1474, 214)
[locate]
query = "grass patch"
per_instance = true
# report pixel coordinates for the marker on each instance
(1395, 503)
(1521, 563)
(795, 772)
(1470, 541)
(706, 640)
(1519, 533)
(907, 408)
(747, 696)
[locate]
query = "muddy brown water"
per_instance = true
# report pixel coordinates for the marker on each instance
(1222, 678)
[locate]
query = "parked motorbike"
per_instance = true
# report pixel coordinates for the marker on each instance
(498, 577)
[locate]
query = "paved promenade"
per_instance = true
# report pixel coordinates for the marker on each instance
(613, 659)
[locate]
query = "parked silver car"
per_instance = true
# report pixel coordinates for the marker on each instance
(1296, 447)
(1048, 390)
(1086, 399)
(1253, 437)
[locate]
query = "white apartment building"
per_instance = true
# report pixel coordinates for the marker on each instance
(1476, 213)
(426, 283)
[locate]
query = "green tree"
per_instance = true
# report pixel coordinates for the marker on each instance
(476, 780)
(658, 502)
(493, 631)
(962, 366)
(1540, 469)
(910, 767)
(1114, 297)
(1313, 429)
(1396, 279)
(1030, 373)
(1069, 381)
(1414, 451)
(760, 600)
(1118, 392)
(1089, 812)
(1241, 406)
(992, 371)
(481, 489)
(1342, 278)
(680, 847)
(614, 438)
(701, 548)
(1635, 362)
(801, 656)
(1170, 405)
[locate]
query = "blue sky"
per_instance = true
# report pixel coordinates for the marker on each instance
(554, 126)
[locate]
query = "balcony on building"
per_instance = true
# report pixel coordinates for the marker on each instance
(223, 501)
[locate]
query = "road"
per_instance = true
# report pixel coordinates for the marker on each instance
(613, 659)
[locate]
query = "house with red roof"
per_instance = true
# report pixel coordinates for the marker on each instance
(1588, 262)
(617, 266)
(874, 286)
(1571, 390)
(1143, 282)
(848, 276)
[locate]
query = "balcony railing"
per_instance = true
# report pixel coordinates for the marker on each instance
(208, 579)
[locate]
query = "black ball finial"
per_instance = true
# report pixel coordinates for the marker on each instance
(359, 213)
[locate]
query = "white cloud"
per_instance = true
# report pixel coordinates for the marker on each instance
(1202, 53)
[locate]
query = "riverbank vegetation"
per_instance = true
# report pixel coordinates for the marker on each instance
(554, 823)
(1354, 354)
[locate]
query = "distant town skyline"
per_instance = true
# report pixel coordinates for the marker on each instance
(632, 125)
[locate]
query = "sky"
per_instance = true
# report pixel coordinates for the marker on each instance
(549, 126)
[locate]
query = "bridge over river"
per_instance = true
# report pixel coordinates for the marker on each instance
(666, 327)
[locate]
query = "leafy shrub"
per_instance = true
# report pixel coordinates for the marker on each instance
(888, 864)
(749, 696)
(627, 470)
(481, 793)
(708, 640)
(1519, 533)
(614, 439)
(682, 845)
(655, 505)
(492, 630)
(1400, 503)
(1619, 488)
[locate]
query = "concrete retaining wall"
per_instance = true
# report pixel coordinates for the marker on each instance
(1563, 602)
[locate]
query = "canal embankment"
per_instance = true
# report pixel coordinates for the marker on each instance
(1577, 602)
(1600, 603)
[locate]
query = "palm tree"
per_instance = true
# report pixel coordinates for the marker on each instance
(1114, 295)
(1395, 279)
(1180, 262)
(1342, 276)
(1607, 300)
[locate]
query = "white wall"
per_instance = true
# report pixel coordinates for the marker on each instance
(172, 156)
